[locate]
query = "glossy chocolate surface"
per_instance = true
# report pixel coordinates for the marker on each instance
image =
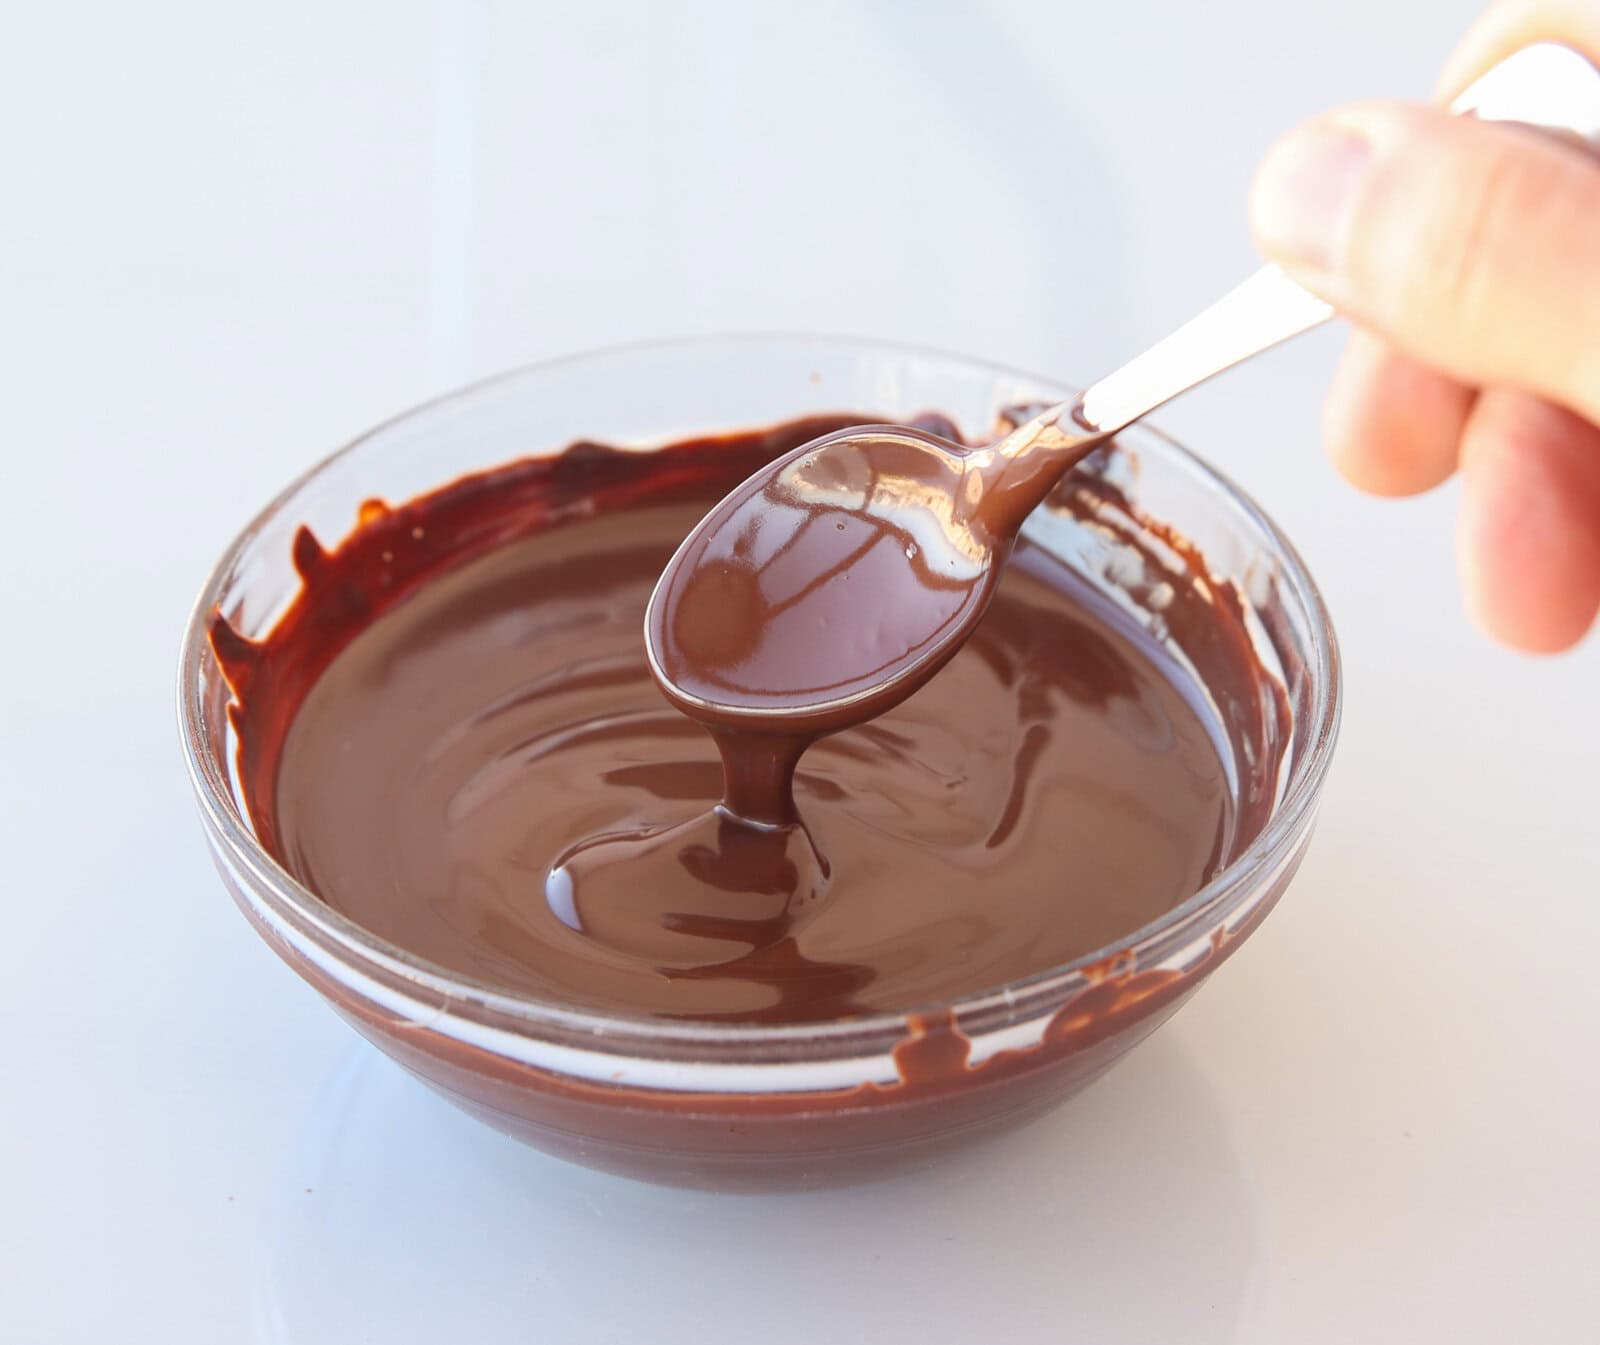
(459, 704)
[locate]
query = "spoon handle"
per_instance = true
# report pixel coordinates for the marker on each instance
(1547, 86)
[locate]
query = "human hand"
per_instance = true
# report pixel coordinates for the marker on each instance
(1468, 253)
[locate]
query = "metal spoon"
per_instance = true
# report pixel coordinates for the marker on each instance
(836, 581)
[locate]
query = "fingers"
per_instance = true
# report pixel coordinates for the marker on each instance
(1472, 254)
(1392, 425)
(1468, 245)
(1529, 539)
(1514, 24)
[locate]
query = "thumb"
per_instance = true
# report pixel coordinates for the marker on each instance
(1472, 246)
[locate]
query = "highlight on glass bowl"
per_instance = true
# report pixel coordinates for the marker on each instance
(439, 776)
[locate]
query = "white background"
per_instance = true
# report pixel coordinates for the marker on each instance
(232, 236)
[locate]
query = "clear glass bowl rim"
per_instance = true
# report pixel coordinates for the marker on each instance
(288, 900)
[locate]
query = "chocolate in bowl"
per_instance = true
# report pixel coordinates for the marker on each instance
(869, 1083)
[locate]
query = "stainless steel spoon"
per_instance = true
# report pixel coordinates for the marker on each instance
(836, 581)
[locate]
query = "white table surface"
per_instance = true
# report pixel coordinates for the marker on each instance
(231, 237)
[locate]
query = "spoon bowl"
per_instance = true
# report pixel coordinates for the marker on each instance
(827, 587)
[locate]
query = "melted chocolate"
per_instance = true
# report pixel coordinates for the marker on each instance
(459, 701)
(818, 595)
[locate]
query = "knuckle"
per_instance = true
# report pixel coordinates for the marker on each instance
(1492, 213)
(1483, 252)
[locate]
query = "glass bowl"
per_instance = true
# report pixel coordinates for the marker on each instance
(766, 1105)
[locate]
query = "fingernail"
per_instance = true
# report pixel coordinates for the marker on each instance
(1305, 194)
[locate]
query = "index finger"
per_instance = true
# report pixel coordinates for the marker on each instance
(1513, 24)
